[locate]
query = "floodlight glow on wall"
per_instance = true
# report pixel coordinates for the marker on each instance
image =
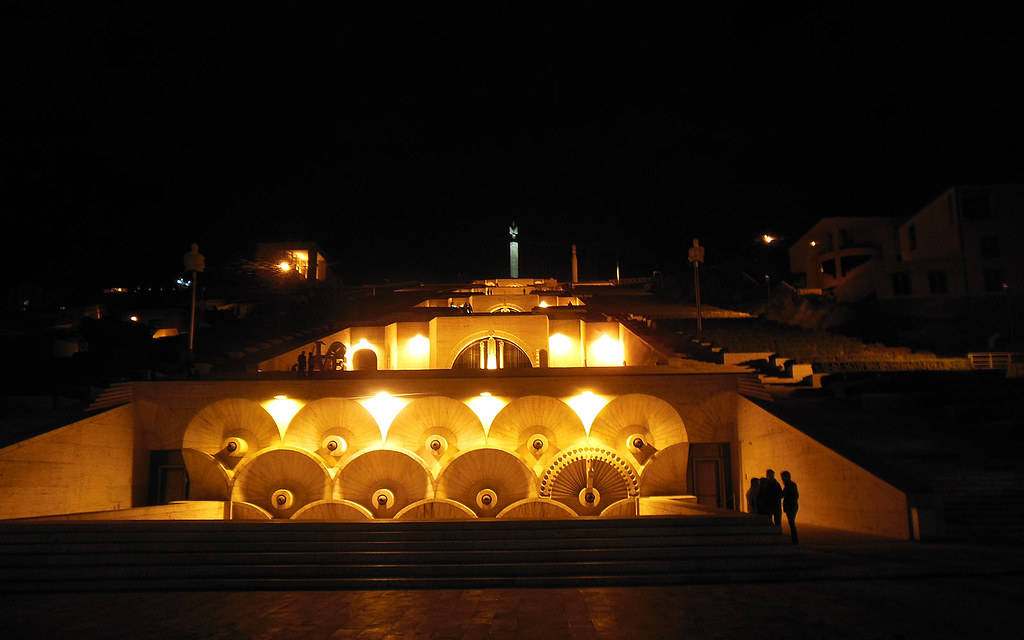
(486, 406)
(418, 346)
(282, 409)
(587, 405)
(559, 344)
(605, 352)
(384, 407)
(284, 266)
(543, 305)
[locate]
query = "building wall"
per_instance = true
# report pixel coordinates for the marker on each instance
(834, 492)
(84, 466)
(450, 335)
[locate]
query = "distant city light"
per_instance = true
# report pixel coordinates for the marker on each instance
(813, 243)
(768, 239)
(182, 282)
(134, 318)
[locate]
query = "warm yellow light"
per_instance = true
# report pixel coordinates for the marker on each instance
(543, 305)
(605, 352)
(492, 359)
(587, 405)
(559, 344)
(486, 406)
(419, 345)
(768, 239)
(813, 243)
(383, 407)
(134, 318)
(282, 409)
(284, 266)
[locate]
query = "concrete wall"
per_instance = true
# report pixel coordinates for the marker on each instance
(450, 335)
(84, 466)
(834, 492)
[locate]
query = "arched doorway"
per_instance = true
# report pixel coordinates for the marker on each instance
(492, 353)
(364, 360)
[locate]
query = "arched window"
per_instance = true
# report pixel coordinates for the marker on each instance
(492, 353)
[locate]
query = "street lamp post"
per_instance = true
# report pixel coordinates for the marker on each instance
(194, 262)
(696, 257)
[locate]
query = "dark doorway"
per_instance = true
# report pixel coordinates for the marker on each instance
(709, 472)
(364, 360)
(168, 479)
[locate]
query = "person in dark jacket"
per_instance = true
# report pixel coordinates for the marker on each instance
(790, 503)
(771, 492)
(752, 496)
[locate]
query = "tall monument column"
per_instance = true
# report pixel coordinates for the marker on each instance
(575, 269)
(513, 251)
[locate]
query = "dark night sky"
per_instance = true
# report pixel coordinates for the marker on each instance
(404, 140)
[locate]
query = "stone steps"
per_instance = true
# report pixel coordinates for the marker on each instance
(96, 555)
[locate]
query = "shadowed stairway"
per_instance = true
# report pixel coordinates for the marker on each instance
(212, 555)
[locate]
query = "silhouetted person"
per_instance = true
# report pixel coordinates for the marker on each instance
(772, 492)
(790, 503)
(310, 359)
(762, 499)
(301, 367)
(752, 494)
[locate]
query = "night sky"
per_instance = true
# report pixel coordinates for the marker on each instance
(405, 139)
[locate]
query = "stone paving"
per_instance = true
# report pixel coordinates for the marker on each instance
(939, 591)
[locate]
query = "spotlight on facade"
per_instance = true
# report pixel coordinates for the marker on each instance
(284, 266)
(419, 345)
(559, 344)
(587, 405)
(383, 407)
(606, 351)
(486, 406)
(282, 409)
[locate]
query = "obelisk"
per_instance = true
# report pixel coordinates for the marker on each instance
(513, 251)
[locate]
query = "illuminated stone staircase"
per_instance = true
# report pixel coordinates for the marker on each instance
(186, 555)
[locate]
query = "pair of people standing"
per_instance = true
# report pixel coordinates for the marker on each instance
(766, 497)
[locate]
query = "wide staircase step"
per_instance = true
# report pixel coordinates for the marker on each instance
(204, 555)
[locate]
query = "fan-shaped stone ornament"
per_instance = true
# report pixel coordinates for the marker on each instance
(207, 477)
(332, 510)
(635, 416)
(282, 481)
(231, 429)
(665, 474)
(334, 428)
(384, 481)
(415, 428)
(588, 479)
(247, 511)
(625, 508)
(537, 509)
(435, 509)
(486, 481)
(536, 428)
